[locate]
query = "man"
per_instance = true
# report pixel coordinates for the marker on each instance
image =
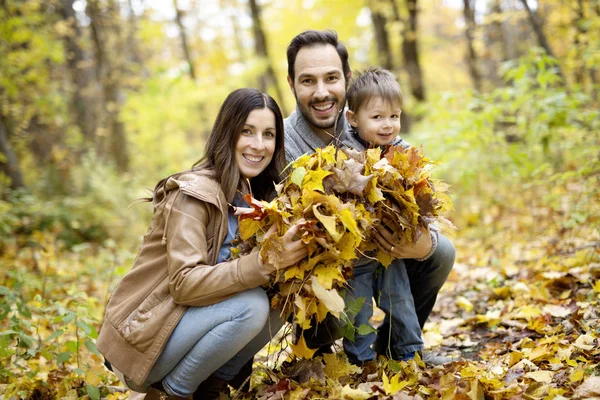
(318, 74)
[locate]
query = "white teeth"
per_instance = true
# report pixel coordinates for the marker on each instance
(323, 107)
(253, 159)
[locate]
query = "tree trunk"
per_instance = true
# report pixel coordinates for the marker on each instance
(184, 40)
(497, 9)
(541, 37)
(110, 77)
(80, 104)
(9, 165)
(260, 46)
(469, 14)
(238, 34)
(410, 50)
(406, 116)
(132, 46)
(381, 37)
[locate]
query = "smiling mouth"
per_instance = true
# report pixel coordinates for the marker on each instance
(253, 159)
(323, 106)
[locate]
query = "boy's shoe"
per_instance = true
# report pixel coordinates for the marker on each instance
(434, 359)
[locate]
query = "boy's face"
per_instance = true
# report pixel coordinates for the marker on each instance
(377, 121)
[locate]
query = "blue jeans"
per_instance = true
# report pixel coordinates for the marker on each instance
(219, 338)
(400, 333)
(425, 281)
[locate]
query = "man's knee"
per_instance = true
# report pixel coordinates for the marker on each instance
(444, 256)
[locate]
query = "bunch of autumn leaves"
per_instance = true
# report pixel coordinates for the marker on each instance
(338, 197)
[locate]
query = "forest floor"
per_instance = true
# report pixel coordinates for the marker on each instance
(519, 316)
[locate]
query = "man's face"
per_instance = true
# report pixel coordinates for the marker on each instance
(319, 85)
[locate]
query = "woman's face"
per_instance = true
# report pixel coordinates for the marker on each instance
(256, 143)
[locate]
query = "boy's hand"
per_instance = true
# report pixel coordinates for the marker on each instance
(384, 235)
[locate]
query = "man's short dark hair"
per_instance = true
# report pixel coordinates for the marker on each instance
(315, 38)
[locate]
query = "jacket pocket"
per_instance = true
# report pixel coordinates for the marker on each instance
(142, 326)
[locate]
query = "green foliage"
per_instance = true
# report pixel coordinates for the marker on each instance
(31, 49)
(522, 136)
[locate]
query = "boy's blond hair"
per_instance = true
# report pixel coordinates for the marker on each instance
(374, 82)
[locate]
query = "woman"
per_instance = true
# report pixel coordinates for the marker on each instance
(183, 311)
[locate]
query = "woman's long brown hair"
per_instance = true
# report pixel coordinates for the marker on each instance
(220, 148)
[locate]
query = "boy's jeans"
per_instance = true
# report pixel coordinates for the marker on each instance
(391, 289)
(218, 338)
(426, 279)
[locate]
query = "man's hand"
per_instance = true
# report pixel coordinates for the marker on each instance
(384, 235)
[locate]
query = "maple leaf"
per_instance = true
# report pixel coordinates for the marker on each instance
(314, 180)
(337, 366)
(327, 276)
(394, 385)
(249, 228)
(350, 179)
(300, 349)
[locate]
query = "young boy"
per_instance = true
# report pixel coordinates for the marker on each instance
(375, 105)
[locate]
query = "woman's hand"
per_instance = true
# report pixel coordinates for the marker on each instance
(384, 235)
(288, 252)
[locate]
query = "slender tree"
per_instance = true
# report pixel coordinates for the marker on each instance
(410, 51)
(499, 30)
(268, 77)
(384, 51)
(108, 44)
(469, 15)
(9, 164)
(80, 104)
(238, 34)
(539, 33)
(184, 40)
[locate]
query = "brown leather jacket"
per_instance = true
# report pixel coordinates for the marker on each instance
(175, 268)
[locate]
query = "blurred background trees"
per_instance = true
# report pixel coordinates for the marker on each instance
(99, 98)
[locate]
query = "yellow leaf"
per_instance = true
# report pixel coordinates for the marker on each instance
(464, 303)
(538, 353)
(337, 366)
(596, 286)
(355, 394)
(347, 247)
(297, 176)
(327, 275)
(301, 317)
(528, 312)
(301, 349)
(540, 376)
(248, 228)
(470, 371)
(577, 375)
(384, 257)
(585, 342)
(314, 180)
(329, 222)
(394, 385)
(515, 357)
(293, 272)
(349, 221)
(322, 311)
(331, 298)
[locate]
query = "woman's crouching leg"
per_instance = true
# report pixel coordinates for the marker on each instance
(207, 337)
